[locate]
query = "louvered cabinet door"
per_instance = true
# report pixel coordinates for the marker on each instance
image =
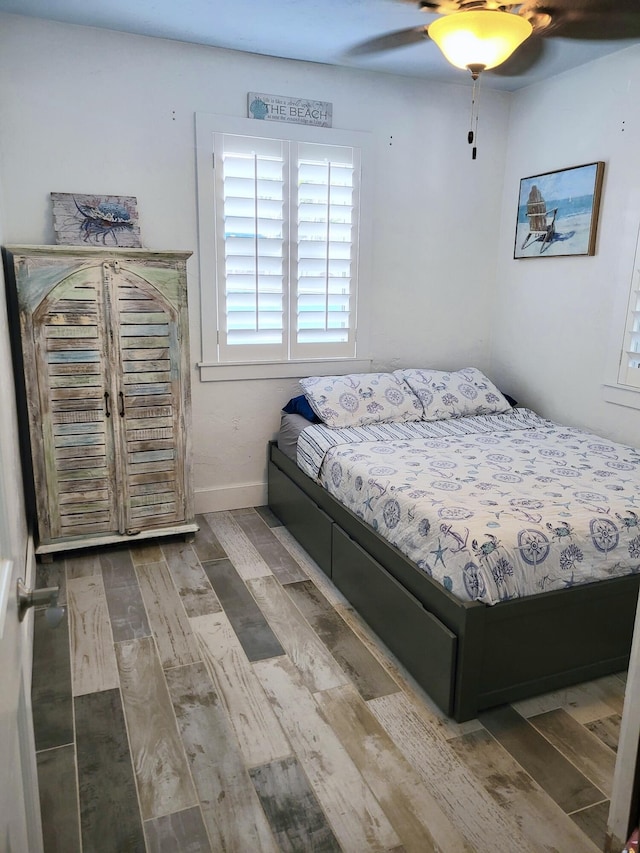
(151, 401)
(71, 409)
(103, 352)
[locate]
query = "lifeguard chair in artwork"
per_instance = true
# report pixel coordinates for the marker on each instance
(541, 221)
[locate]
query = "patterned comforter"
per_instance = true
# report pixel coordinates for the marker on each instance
(492, 507)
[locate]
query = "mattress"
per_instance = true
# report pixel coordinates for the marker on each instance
(493, 507)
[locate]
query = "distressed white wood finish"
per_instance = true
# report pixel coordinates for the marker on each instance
(83, 565)
(258, 731)
(543, 822)
(446, 726)
(352, 810)
(413, 811)
(159, 760)
(93, 662)
(586, 702)
(246, 560)
(318, 669)
(168, 621)
(194, 588)
(583, 749)
(313, 570)
(150, 552)
(469, 807)
(473, 783)
(106, 369)
(232, 813)
(421, 701)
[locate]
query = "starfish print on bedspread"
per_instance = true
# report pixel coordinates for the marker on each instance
(439, 552)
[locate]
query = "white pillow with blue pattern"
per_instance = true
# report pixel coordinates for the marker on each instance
(361, 398)
(456, 394)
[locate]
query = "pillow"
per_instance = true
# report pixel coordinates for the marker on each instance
(361, 398)
(454, 395)
(291, 425)
(300, 406)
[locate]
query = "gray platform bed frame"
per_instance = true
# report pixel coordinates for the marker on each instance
(468, 656)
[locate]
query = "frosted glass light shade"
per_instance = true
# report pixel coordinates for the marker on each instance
(483, 38)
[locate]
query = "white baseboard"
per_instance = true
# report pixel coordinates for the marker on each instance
(230, 497)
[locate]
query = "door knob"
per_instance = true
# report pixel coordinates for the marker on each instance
(33, 597)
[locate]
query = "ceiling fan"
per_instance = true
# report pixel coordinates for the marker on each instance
(481, 35)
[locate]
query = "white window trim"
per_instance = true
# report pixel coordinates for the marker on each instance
(210, 368)
(613, 391)
(622, 395)
(283, 369)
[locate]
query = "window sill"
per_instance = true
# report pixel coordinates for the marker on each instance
(282, 370)
(622, 395)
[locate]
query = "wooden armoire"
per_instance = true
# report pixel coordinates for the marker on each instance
(104, 352)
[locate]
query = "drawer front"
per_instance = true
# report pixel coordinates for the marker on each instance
(303, 518)
(425, 646)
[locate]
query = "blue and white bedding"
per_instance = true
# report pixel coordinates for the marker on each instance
(493, 507)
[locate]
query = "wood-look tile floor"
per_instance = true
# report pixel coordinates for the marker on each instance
(223, 696)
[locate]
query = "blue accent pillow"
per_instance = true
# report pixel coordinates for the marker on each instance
(301, 406)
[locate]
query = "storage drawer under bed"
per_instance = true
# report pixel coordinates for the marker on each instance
(426, 647)
(302, 517)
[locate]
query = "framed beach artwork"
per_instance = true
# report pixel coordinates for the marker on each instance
(96, 220)
(558, 212)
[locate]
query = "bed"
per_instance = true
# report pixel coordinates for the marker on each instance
(496, 553)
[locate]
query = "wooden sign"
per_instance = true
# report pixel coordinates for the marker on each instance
(293, 110)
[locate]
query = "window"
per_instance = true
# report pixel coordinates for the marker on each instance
(282, 241)
(622, 382)
(630, 360)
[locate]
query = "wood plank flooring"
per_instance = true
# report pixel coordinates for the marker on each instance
(224, 696)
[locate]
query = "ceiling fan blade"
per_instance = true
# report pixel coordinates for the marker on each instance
(596, 20)
(595, 27)
(389, 41)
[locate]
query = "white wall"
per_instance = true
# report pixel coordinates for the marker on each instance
(92, 111)
(13, 525)
(558, 322)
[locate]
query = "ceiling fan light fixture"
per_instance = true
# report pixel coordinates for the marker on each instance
(479, 39)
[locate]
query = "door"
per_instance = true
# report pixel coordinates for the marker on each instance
(71, 406)
(20, 827)
(149, 384)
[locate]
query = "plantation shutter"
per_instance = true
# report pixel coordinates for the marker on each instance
(252, 262)
(630, 361)
(324, 231)
(286, 220)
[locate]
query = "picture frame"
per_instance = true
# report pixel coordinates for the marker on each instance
(558, 212)
(96, 220)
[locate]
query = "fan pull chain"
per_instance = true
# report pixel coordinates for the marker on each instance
(472, 136)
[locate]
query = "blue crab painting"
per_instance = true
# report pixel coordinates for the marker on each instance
(96, 220)
(103, 220)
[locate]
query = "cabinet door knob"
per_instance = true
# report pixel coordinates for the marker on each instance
(106, 404)
(121, 396)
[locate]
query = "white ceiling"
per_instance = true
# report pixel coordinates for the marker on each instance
(332, 32)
